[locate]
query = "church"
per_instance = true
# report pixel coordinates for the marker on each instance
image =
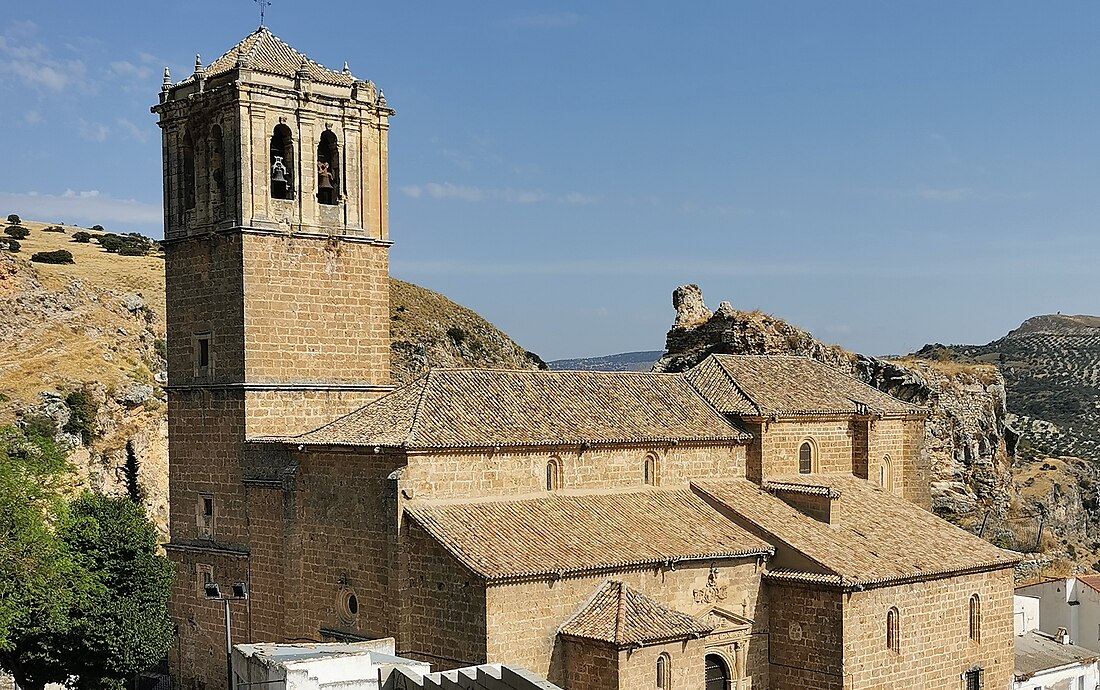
(755, 522)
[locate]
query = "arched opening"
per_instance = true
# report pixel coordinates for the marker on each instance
(328, 169)
(216, 162)
(892, 642)
(886, 474)
(553, 474)
(717, 673)
(649, 469)
(282, 163)
(806, 458)
(975, 618)
(188, 150)
(664, 667)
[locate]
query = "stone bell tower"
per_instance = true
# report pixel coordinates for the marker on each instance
(277, 276)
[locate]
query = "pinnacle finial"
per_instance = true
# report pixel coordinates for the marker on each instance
(198, 63)
(381, 98)
(167, 79)
(347, 70)
(303, 69)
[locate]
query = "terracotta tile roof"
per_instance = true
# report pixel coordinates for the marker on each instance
(875, 538)
(265, 52)
(1090, 581)
(449, 408)
(617, 614)
(767, 385)
(566, 534)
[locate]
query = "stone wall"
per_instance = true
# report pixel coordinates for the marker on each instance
(345, 519)
(806, 644)
(590, 665)
(462, 474)
(443, 607)
(315, 310)
(934, 644)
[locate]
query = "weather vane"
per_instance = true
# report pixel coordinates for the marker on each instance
(263, 6)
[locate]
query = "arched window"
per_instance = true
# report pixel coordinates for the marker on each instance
(664, 667)
(553, 474)
(886, 474)
(328, 169)
(806, 458)
(282, 163)
(216, 162)
(717, 673)
(975, 618)
(892, 642)
(649, 469)
(188, 150)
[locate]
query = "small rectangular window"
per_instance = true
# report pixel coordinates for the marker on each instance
(204, 575)
(202, 353)
(205, 517)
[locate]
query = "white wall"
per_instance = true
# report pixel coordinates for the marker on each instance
(1065, 679)
(1025, 613)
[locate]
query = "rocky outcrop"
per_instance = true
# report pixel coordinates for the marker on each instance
(965, 434)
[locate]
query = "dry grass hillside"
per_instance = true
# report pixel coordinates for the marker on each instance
(96, 328)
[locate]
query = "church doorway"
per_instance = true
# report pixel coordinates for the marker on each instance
(717, 673)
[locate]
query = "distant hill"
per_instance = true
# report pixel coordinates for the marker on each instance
(1051, 365)
(626, 361)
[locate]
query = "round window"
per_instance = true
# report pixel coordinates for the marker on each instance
(347, 606)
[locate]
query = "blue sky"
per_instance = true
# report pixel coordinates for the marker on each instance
(882, 174)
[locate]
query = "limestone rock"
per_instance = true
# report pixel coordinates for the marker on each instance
(133, 301)
(691, 310)
(134, 393)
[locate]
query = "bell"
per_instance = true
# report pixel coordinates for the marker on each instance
(324, 177)
(278, 170)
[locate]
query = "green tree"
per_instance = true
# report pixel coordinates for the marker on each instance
(83, 592)
(120, 625)
(37, 576)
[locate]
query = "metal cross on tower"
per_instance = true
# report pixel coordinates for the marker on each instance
(263, 7)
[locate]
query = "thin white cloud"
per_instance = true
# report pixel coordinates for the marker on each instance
(578, 199)
(32, 63)
(946, 194)
(129, 129)
(958, 194)
(89, 206)
(32, 117)
(447, 191)
(93, 131)
(715, 210)
(128, 70)
(556, 20)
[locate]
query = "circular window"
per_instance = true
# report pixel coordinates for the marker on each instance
(347, 606)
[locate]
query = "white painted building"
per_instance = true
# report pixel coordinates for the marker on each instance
(1025, 613)
(368, 665)
(318, 665)
(1072, 603)
(1047, 662)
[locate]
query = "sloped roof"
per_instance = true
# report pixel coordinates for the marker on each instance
(875, 538)
(562, 533)
(766, 385)
(1090, 581)
(448, 408)
(1037, 652)
(617, 614)
(263, 51)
